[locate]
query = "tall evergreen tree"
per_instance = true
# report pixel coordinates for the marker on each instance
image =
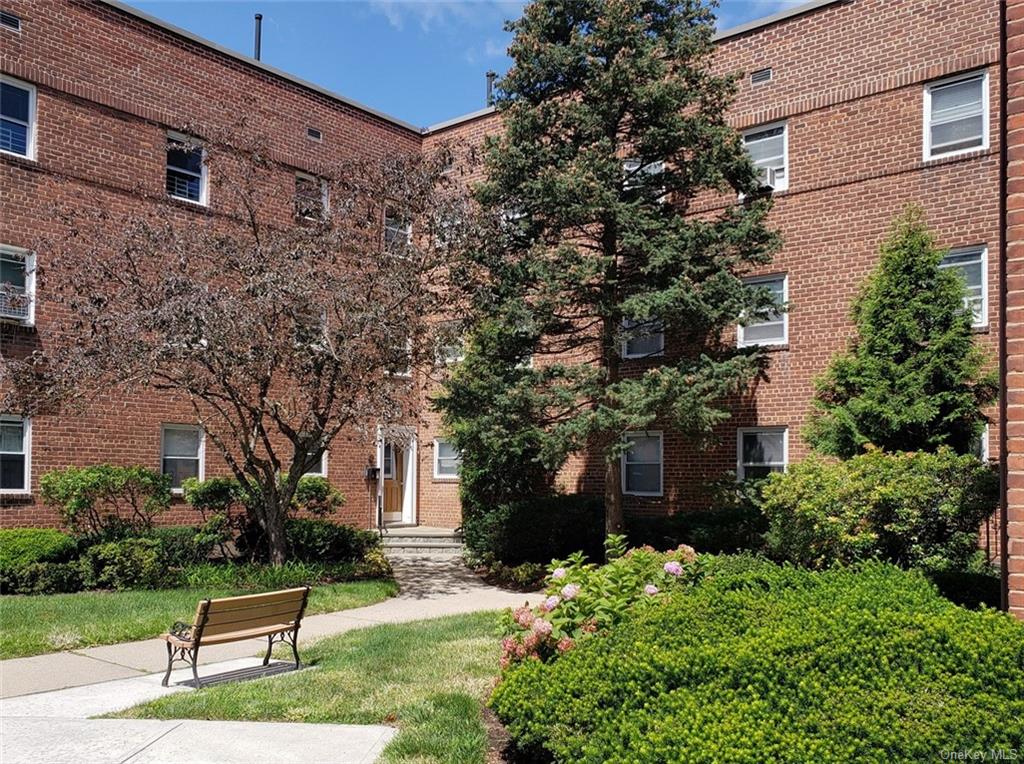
(913, 378)
(618, 202)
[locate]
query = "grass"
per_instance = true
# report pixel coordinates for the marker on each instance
(31, 625)
(427, 677)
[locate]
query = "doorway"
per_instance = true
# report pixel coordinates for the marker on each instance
(396, 458)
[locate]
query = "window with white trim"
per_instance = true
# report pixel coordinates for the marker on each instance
(17, 118)
(186, 170)
(447, 460)
(970, 262)
(15, 454)
(768, 147)
(637, 176)
(642, 339)
(770, 326)
(388, 468)
(761, 451)
(312, 197)
(320, 470)
(397, 233)
(181, 453)
(956, 115)
(980, 445)
(17, 285)
(642, 464)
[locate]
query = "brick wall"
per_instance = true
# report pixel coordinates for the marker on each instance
(1014, 331)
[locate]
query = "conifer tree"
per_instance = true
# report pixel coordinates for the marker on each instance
(913, 378)
(618, 203)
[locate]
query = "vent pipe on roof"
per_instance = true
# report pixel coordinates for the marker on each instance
(259, 36)
(491, 76)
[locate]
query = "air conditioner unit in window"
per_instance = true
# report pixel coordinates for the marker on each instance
(14, 306)
(766, 176)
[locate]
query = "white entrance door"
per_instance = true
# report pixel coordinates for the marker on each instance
(396, 487)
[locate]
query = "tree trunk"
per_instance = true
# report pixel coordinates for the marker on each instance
(277, 545)
(614, 521)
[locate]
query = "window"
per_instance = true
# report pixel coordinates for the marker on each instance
(17, 118)
(643, 339)
(768, 147)
(636, 176)
(186, 171)
(641, 464)
(397, 233)
(450, 349)
(388, 468)
(15, 468)
(980, 445)
(971, 262)
(956, 115)
(17, 285)
(761, 451)
(321, 469)
(446, 460)
(771, 327)
(181, 453)
(311, 197)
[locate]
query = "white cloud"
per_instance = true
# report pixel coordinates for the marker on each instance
(428, 14)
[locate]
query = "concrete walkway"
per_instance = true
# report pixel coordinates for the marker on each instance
(48, 699)
(430, 586)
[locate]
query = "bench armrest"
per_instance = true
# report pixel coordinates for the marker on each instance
(182, 631)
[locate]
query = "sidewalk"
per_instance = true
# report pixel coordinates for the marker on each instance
(430, 586)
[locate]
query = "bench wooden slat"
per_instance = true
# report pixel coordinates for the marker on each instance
(253, 600)
(271, 613)
(243, 625)
(234, 636)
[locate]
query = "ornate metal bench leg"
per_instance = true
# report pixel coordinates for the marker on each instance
(195, 674)
(170, 660)
(270, 648)
(295, 647)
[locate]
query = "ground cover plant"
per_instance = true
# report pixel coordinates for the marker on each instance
(781, 664)
(429, 678)
(46, 623)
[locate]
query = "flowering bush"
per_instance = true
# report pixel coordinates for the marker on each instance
(583, 598)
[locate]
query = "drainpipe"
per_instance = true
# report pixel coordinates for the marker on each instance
(1004, 514)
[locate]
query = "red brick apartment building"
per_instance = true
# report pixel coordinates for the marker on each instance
(852, 107)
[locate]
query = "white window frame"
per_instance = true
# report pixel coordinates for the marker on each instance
(438, 475)
(201, 474)
(32, 124)
(30, 283)
(405, 228)
(784, 124)
(740, 432)
(322, 470)
(26, 449)
(660, 334)
(204, 186)
(927, 131)
(661, 463)
(387, 467)
(325, 195)
(754, 281)
(982, 249)
(985, 454)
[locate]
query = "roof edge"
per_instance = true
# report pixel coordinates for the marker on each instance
(266, 68)
(775, 18)
(459, 120)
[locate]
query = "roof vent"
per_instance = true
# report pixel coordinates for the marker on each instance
(10, 21)
(760, 76)
(313, 134)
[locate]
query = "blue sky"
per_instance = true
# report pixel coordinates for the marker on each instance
(419, 60)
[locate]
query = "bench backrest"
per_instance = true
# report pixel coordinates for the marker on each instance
(252, 611)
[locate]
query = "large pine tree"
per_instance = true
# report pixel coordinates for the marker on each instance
(619, 202)
(913, 378)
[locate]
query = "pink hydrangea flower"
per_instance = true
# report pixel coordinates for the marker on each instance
(524, 617)
(569, 591)
(558, 574)
(687, 553)
(565, 644)
(542, 628)
(550, 603)
(673, 568)
(651, 589)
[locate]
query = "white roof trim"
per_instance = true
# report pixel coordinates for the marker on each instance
(796, 10)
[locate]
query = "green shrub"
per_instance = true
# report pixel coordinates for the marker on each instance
(29, 558)
(263, 577)
(133, 563)
(104, 498)
(182, 545)
(326, 542)
(317, 496)
(44, 578)
(778, 664)
(913, 509)
(536, 530)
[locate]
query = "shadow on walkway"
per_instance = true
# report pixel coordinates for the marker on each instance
(246, 674)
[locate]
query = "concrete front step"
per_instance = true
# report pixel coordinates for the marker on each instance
(404, 539)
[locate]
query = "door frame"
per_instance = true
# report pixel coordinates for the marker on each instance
(410, 466)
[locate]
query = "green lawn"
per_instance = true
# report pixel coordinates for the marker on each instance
(30, 625)
(428, 677)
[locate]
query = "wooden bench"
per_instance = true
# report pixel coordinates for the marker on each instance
(274, 615)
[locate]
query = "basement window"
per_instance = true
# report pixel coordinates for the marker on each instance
(956, 115)
(17, 118)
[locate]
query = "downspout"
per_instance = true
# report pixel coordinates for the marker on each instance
(1004, 515)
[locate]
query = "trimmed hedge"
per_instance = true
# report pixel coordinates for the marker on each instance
(778, 664)
(537, 530)
(34, 560)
